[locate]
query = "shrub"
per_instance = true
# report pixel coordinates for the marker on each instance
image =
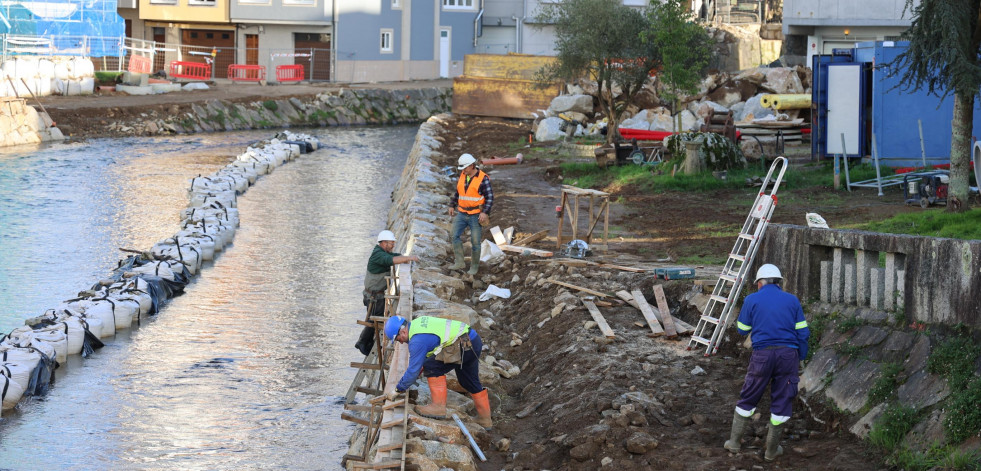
(890, 429)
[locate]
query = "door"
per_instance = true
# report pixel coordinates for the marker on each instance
(444, 53)
(314, 50)
(251, 49)
(202, 42)
(845, 100)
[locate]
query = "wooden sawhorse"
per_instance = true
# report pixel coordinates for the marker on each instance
(571, 210)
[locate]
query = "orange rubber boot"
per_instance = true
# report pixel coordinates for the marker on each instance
(482, 404)
(437, 408)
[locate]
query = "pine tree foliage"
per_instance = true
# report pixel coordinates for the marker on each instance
(944, 57)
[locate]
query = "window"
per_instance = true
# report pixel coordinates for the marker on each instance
(458, 4)
(259, 2)
(163, 2)
(299, 2)
(386, 41)
(209, 3)
(635, 3)
(396, 4)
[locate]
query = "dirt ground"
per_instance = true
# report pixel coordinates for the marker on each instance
(583, 401)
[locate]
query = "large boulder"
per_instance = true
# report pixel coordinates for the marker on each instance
(551, 129)
(753, 110)
(783, 80)
(578, 103)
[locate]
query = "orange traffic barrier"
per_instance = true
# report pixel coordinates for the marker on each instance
(190, 70)
(289, 73)
(246, 73)
(139, 64)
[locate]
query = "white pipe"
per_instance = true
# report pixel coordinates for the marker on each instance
(476, 26)
(517, 38)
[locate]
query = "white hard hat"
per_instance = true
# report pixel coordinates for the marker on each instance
(768, 271)
(465, 161)
(386, 235)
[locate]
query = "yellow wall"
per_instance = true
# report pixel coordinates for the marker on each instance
(183, 11)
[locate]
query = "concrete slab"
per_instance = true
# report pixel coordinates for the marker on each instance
(922, 389)
(850, 386)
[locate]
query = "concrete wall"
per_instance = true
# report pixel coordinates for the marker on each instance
(930, 280)
(272, 11)
(183, 10)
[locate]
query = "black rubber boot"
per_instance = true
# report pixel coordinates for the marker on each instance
(773, 448)
(366, 341)
(738, 427)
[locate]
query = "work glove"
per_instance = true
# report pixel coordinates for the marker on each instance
(394, 394)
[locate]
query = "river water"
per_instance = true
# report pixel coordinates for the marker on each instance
(248, 368)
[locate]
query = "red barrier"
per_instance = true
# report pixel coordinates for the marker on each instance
(289, 73)
(139, 64)
(246, 73)
(190, 70)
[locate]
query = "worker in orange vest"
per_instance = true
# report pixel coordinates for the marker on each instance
(471, 208)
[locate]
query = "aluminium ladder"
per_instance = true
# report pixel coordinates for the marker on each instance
(717, 313)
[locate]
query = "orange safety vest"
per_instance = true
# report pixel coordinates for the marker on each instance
(469, 199)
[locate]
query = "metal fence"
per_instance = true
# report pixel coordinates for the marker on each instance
(315, 62)
(116, 54)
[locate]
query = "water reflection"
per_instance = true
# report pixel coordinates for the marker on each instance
(244, 371)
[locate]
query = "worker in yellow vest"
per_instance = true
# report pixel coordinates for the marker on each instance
(471, 208)
(436, 346)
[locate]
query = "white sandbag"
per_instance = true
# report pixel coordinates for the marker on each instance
(155, 268)
(123, 310)
(19, 372)
(57, 340)
(10, 393)
(86, 86)
(205, 242)
(61, 71)
(187, 252)
(74, 332)
(490, 252)
(45, 69)
(103, 313)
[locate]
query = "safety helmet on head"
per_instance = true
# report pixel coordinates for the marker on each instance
(386, 235)
(768, 271)
(393, 325)
(465, 161)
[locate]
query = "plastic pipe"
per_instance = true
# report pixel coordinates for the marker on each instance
(503, 160)
(792, 101)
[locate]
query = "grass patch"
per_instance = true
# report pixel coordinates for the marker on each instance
(954, 359)
(933, 223)
(885, 386)
(849, 324)
(107, 78)
(270, 105)
(890, 429)
(936, 457)
(817, 325)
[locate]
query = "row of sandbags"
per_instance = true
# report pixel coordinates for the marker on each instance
(142, 282)
(43, 76)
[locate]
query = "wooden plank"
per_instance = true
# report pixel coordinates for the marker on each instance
(578, 288)
(355, 419)
(392, 423)
(666, 319)
(645, 309)
(600, 320)
(387, 464)
(681, 327)
(498, 236)
(516, 66)
(365, 366)
(501, 97)
(368, 391)
(390, 447)
(522, 250)
(532, 238)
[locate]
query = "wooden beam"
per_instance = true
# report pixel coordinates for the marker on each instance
(578, 288)
(666, 319)
(645, 309)
(600, 320)
(355, 419)
(522, 250)
(532, 238)
(681, 326)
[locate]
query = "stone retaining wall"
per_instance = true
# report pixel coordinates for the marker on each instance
(336, 108)
(420, 222)
(928, 279)
(21, 124)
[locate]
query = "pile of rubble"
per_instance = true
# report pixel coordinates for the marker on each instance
(577, 113)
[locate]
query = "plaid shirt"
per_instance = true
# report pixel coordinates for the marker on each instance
(485, 190)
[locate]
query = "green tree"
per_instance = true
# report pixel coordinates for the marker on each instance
(684, 48)
(600, 40)
(943, 57)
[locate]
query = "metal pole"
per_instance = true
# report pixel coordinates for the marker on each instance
(837, 173)
(844, 161)
(473, 444)
(875, 159)
(922, 146)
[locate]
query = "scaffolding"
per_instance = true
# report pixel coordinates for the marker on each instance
(61, 27)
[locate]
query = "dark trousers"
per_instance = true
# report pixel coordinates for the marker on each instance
(375, 307)
(468, 373)
(776, 367)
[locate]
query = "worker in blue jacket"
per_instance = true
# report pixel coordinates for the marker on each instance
(779, 332)
(427, 336)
